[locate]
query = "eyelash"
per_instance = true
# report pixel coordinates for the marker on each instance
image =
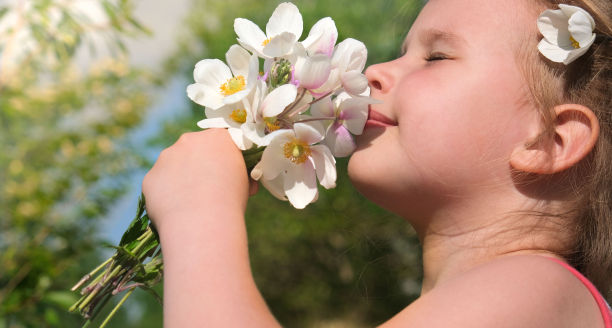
(435, 56)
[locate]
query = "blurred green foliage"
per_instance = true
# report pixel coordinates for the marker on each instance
(63, 155)
(342, 262)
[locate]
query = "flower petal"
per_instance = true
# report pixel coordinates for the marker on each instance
(212, 73)
(553, 24)
(211, 123)
(273, 160)
(570, 10)
(322, 108)
(275, 186)
(249, 34)
(580, 27)
(354, 82)
(313, 71)
(255, 132)
(277, 100)
(239, 138)
(325, 166)
(322, 37)
(285, 18)
(253, 72)
(354, 113)
(332, 83)
(236, 97)
(280, 45)
(238, 60)
(576, 53)
(256, 172)
(205, 96)
(311, 132)
(339, 140)
(350, 55)
(561, 55)
(300, 185)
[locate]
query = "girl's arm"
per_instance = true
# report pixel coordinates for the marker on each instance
(196, 195)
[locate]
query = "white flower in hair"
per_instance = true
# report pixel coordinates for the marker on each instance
(568, 33)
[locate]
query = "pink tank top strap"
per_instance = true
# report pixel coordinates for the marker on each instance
(606, 312)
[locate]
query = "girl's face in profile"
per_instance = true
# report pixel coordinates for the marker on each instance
(460, 102)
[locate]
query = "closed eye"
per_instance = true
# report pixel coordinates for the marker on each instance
(435, 56)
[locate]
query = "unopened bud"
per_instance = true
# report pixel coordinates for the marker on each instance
(280, 73)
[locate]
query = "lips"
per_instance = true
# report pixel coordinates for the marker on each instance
(377, 119)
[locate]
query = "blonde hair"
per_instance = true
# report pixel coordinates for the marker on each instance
(587, 81)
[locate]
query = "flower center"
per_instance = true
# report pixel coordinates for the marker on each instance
(233, 85)
(238, 115)
(272, 124)
(575, 43)
(297, 151)
(266, 41)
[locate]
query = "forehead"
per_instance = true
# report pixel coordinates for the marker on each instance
(493, 21)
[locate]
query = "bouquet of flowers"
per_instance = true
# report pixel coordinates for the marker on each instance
(291, 106)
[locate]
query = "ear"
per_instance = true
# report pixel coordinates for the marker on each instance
(575, 134)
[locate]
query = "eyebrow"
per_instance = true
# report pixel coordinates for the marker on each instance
(431, 36)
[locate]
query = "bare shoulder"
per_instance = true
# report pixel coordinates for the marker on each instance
(512, 291)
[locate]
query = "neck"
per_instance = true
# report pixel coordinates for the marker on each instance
(454, 244)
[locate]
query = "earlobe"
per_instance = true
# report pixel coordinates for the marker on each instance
(575, 133)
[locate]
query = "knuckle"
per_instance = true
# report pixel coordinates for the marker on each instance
(146, 182)
(185, 137)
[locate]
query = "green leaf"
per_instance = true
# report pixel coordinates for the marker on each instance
(136, 229)
(141, 206)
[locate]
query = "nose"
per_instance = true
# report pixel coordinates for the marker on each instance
(379, 76)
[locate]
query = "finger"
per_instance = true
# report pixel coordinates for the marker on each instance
(253, 187)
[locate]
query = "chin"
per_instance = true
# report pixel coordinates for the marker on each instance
(370, 179)
(403, 195)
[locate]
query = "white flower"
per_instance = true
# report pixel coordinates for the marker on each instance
(347, 62)
(217, 84)
(568, 33)
(283, 30)
(350, 115)
(322, 37)
(312, 71)
(265, 111)
(231, 117)
(292, 163)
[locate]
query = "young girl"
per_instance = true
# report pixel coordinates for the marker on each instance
(499, 158)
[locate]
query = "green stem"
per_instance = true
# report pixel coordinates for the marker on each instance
(88, 276)
(76, 304)
(116, 308)
(89, 297)
(145, 238)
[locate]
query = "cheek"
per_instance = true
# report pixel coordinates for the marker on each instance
(462, 125)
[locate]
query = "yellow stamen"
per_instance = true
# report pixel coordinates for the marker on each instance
(239, 115)
(575, 43)
(272, 123)
(297, 151)
(233, 85)
(266, 41)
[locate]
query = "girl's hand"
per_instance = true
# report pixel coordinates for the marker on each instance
(200, 171)
(196, 194)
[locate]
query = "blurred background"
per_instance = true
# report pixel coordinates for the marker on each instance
(92, 90)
